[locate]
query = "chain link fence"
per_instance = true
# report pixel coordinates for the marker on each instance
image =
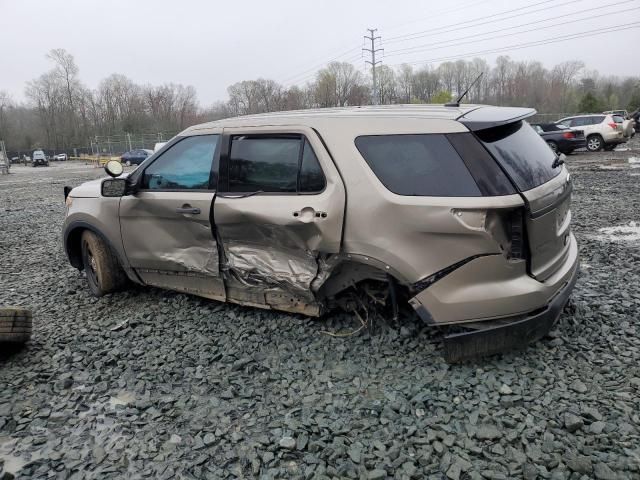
(119, 144)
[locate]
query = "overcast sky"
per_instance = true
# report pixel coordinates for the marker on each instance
(212, 44)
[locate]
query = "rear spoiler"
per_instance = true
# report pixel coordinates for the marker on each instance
(487, 117)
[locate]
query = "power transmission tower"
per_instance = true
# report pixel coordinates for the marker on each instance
(373, 61)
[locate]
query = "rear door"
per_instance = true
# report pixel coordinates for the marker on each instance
(166, 226)
(544, 184)
(278, 214)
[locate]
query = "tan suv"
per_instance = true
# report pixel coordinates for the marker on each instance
(462, 211)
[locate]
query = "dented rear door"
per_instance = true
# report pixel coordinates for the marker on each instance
(166, 225)
(279, 212)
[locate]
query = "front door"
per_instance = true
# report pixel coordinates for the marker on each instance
(166, 226)
(279, 215)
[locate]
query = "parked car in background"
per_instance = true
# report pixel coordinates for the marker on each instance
(274, 211)
(600, 130)
(15, 159)
(135, 157)
(628, 125)
(560, 138)
(39, 158)
(60, 157)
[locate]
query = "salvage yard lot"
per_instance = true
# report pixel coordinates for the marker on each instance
(155, 384)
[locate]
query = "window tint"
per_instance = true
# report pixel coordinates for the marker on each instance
(596, 120)
(578, 122)
(283, 163)
(186, 165)
(618, 119)
(425, 165)
(268, 164)
(521, 152)
(311, 176)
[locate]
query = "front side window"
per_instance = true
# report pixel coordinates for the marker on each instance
(185, 166)
(423, 165)
(274, 163)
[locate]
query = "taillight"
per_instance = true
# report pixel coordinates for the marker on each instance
(613, 125)
(518, 249)
(569, 135)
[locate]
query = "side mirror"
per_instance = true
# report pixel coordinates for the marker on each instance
(113, 168)
(114, 187)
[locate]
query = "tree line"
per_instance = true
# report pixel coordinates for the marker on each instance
(61, 112)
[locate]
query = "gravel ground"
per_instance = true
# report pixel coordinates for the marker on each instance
(155, 384)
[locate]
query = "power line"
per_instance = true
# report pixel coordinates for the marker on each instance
(462, 25)
(436, 14)
(315, 67)
(588, 33)
(448, 43)
(373, 50)
(315, 72)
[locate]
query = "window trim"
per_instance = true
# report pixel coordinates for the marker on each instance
(166, 148)
(225, 163)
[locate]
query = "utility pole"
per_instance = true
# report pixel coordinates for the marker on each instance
(373, 62)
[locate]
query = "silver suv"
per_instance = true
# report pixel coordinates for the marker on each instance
(463, 213)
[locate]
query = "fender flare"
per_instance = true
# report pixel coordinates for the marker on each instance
(73, 252)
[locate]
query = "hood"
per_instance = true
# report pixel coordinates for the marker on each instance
(90, 189)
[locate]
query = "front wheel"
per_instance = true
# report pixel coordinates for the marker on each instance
(104, 274)
(594, 143)
(553, 146)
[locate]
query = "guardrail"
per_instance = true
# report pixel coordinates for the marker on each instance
(96, 162)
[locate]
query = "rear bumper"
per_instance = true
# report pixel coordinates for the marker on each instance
(508, 333)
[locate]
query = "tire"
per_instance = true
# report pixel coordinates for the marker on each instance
(104, 274)
(594, 143)
(553, 146)
(15, 325)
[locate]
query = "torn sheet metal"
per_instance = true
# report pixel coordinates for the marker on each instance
(263, 267)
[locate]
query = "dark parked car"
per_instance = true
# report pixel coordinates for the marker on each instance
(135, 157)
(560, 138)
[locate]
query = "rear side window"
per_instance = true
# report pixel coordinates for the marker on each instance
(281, 163)
(596, 120)
(423, 165)
(523, 154)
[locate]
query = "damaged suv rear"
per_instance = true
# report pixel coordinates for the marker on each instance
(462, 211)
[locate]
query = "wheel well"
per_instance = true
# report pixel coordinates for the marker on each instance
(73, 247)
(349, 274)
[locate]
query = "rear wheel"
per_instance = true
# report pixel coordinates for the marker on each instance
(553, 146)
(609, 148)
(15, 324)
(594, 143)
(104, 274)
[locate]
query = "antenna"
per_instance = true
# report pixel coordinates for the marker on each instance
(457, 102)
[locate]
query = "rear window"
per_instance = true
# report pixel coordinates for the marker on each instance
(522, 153)
(618, 119)
(423, 165)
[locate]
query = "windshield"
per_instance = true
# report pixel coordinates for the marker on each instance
(522, 153)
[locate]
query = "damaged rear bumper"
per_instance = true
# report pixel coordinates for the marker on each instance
(498, 302)
(508, 333)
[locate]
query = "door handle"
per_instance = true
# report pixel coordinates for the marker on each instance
(188, 209)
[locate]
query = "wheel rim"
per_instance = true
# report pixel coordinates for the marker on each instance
(594, 144)
(90, 262)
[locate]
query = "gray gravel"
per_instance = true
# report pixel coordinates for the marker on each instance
(155, 384)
